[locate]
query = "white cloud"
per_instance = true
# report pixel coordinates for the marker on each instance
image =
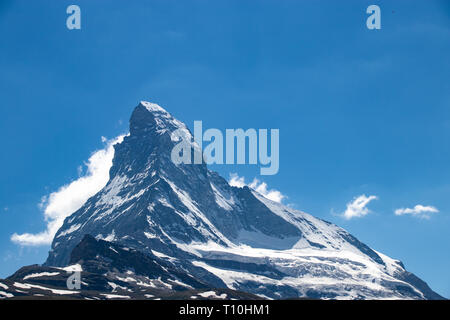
(418, 211)
(70, 197)
(236, 181)
(358, 207)
(258, 186)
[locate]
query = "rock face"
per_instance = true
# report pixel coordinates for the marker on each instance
(229, 237)
(111, 271)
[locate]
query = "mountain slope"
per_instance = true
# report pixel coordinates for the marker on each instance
(111, 271)
(231, 237)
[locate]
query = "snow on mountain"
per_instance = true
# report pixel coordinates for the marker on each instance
(111, 271)
(228, 236)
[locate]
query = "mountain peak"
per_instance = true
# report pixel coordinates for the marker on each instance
(153, 107)
(151, 118)
(229, 237)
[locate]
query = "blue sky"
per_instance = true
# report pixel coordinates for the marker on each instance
(360, 112)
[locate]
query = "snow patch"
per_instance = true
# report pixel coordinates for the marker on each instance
(55, 291)
(115, 296)
(73, 228)
(212, 294)
(72, 268)
(6, 295)
(42, 274)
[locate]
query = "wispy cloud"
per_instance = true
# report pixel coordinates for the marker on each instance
(258, 186)
(358, 207)
(419, 211)
(236, 181)
(70, 197)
